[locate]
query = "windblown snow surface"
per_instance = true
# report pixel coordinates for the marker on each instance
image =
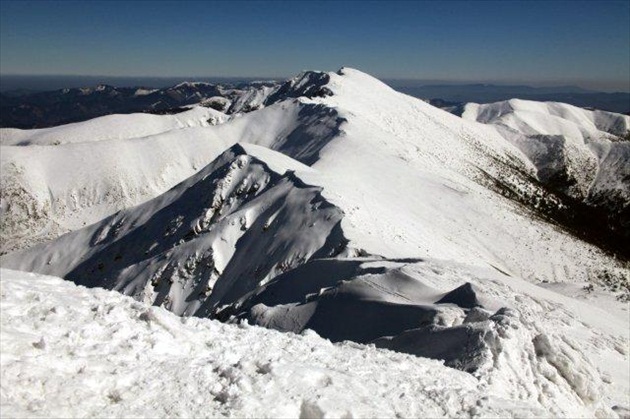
(70, 351)
(335, 206)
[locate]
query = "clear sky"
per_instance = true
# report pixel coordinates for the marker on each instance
(535, 42)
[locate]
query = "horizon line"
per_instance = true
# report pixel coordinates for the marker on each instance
(429, 81)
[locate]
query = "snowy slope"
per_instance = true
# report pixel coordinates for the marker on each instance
(576, 149)
(112, 356)
(412, 180)
(70, 351)
(245, 240)
(418, 177)
(88, 170)
(580, 158)
(231, 226)
(48, 191)
(112, 127)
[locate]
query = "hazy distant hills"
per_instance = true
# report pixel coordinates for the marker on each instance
(50, 108)
(26, 102)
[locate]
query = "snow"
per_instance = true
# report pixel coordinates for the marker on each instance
(188, 84)
(111, 127)
(70, 351)
(235, 219)
(121, 358)
(407, 170)
(144, 92)
(559, 138)
(333, 201)
(57, 189)
(405, 174)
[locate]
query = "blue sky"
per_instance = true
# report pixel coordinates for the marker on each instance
(536, 42)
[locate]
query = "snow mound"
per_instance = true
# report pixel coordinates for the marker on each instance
(409, 306)
(371, 301)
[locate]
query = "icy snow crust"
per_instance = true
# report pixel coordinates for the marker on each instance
(70, 351)
(338, 199)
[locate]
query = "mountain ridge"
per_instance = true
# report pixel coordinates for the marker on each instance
(67, 105)
(337, 200)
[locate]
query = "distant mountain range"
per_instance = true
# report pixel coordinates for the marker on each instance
(46, 109)
(23, 104)
(488, 93)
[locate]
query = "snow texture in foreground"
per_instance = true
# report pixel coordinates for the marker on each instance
(71, 351)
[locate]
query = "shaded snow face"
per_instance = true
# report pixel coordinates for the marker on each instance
(376, 301)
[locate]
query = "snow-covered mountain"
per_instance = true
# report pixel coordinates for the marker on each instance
(423, 180)
(112, 127)
(339, 205)
(579, 155)
(47, 109)
(48, 191)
